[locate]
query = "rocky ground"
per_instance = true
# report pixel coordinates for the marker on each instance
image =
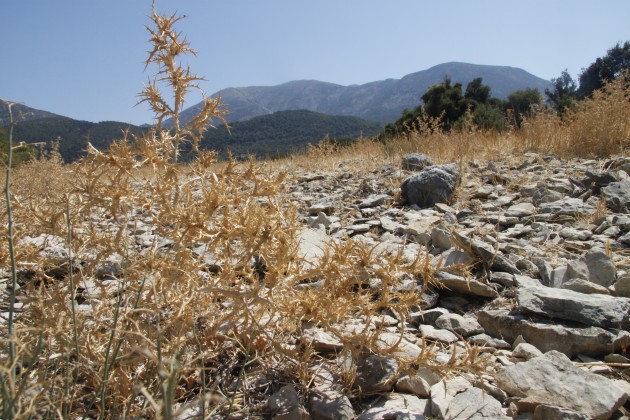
(533, 259)
(530, 260)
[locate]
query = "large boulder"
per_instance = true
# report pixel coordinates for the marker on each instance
(617, 196)
(433, 185)
(553, 380)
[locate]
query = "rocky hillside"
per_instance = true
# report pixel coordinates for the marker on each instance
(381, 101)
(525, 291)
(531, 268)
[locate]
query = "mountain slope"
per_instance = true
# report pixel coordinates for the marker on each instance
(379, 101)
(21, 113)
(280, 133)
(284, 132)
(73, 134)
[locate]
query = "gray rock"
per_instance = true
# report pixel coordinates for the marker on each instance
(431, 333)
(484, 340)
(321, 341)
(618, 196)
(474, 404)
(553, 380)
(375, 373)
(418, 383)
(416, 161)
(544, 195)
(594, 266)
(584, 286)
(390, 225)
(457, 257)
(284, 401)
(622, 286)
(464, 326)
(321, 220)
(326, 205)
(520, 210)
(397, 407)
(549, 412)
(312, 246)
(592, 310)
(330, 405)
(544, 270)
(433, 185)
(441, 238)
(567, 206)
(549, 335)
(465, 286)
(402, 348)
(443, 392)
(486, 253)
(298, 413)
(375, 200)
(526, 351)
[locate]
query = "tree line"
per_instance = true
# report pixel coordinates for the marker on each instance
(449, 106)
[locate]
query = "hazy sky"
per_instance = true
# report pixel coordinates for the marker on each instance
(84, 58)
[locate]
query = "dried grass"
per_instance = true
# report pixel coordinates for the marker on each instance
(215, 305)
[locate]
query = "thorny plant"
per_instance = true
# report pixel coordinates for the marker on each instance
(143, 292)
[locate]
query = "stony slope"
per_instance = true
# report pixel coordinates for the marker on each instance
(528, 263)
(529, 298)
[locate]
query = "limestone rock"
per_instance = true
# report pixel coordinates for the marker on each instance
(433, 185)
(549, 335)
(329, 405)
(464, 326)
(567, 207)
(618, 196)
(553, 380)
(465, 286)
(416, 161)
(588, 309)
(284, 401)
(475, 404)
(443, 392)
(375, 373)
(397, 406)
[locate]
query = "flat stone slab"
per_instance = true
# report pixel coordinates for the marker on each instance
(553, 380)
(549, 335)
(588, 309)
(464, 286)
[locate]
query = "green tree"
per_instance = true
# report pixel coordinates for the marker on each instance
(477, 91)
(444, 101)
(563, 94)
(488, 117)
(21, 152)
(604, 69)
(522, 102)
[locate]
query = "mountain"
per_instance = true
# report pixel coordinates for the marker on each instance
(278, 134)
(73, 134)
(284, 132)
(381, 101)
(21, 113)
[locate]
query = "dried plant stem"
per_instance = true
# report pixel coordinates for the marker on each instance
(8, 384)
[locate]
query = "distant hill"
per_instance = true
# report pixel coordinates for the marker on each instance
(277, 134)
(74, 134)
(285, 132)
(21, 113)
(381, 101)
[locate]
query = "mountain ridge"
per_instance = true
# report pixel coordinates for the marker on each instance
(381, 101)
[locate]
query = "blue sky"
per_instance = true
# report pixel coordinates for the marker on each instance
(84, 59)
